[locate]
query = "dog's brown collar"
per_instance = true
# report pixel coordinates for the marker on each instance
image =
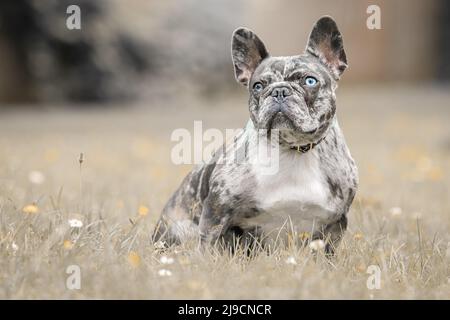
(305, 148)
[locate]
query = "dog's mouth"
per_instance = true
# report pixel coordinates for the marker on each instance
(282, 121)
(291, 129)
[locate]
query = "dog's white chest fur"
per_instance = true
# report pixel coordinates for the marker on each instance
(296, 195)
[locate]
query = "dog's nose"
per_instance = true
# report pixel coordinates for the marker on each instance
(280, 93)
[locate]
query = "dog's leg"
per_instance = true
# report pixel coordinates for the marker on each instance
(163, 233)
(333, 234)
(248, 239)
(213, 223)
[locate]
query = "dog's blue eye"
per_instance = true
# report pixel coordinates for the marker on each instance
(258, 87)
(310, 81)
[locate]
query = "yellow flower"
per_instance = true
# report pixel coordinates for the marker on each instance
(31, 208)
(358, 236)
(360, 268)
(183, 260)
(304, 236)
(120, 204)
(51, 155)
(143, 211)
(68, 244)
(133, 259)
(194, 285)
(435, 174)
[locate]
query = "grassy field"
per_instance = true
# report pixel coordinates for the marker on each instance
(400, 219)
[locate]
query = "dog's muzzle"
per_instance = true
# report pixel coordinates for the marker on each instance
(280, 93)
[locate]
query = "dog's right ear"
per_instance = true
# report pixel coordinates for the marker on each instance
(247, 51)
(325, 42)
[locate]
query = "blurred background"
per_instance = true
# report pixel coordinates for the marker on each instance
(139, 69)
(139, 49)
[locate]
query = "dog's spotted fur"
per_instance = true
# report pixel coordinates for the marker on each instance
(312, 191)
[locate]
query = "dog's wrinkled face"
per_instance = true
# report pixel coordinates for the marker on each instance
(296, 94)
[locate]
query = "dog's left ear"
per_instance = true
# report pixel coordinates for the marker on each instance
(247, 51)
(325, 42)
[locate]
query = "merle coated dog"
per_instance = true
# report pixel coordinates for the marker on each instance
(315, 179)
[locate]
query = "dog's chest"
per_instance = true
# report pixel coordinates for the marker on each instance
(297, 193)
(298, 180)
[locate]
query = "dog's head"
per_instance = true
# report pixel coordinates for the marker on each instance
(295, 94)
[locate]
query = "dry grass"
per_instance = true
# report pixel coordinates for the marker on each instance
(400, 220)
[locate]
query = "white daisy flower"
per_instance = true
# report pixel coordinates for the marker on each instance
(166, 260)
(291, 260)
(395, 211)
(36, 177)
(75, 223)
(160, 245)
(164, 273)
(317, 245)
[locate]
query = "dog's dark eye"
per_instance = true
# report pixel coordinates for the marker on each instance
(257, 87)
(310, 81)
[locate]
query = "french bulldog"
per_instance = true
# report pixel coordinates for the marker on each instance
(315, 180)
